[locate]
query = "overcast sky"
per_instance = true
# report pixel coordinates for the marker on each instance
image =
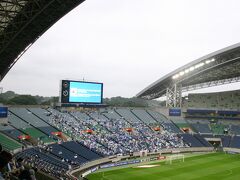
(126, 44)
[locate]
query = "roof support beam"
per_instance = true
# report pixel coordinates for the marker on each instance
(174, 96)
(211, 84)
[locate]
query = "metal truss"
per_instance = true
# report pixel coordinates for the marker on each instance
(211, 84)
(8, 10)
(221, 69)
(174, 96)
(22, 22)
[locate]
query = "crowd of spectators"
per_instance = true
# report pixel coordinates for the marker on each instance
(109, 136)
(42, 160)
(104, 135)
(13, 168)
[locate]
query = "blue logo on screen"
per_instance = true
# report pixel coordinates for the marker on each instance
(174, 112)
(83, 92)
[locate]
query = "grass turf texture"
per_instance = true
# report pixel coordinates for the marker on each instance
(209, 166)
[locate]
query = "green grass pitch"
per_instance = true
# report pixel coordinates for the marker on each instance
(209, 166)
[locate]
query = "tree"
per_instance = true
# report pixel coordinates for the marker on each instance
(126, 102)
(23, 100)
(8, 95)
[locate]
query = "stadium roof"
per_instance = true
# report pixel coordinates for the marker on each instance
(220, 67)
(22, 22)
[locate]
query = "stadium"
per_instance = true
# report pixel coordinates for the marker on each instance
(190, 137)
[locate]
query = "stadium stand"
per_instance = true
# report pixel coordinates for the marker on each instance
(112, 114)
(201, 128)
(27, 128)
(65, 154)
(33, 120)
(144, 116)
(226, 140)
(110, 135)
(235, 143)
(217, 128)
(191, 140)
(98, 134)
(235, 129)
(219, 100)
(128, 115)
(44, 161)
(9, 144)
(10, 131)
(79, 148)
(202, 140)
(157, 116)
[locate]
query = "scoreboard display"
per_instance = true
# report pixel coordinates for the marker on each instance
(81, 92)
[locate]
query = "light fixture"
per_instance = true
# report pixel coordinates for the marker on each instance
(192, 68)
(207, 61)
(181, 73)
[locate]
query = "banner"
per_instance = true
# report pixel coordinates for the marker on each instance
(122, 163)
(174, 112)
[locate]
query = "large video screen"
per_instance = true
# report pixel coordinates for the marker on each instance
(81, 92)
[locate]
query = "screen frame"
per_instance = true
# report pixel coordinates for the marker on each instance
(63, 100)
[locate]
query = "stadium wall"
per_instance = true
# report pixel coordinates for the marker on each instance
(233, 150)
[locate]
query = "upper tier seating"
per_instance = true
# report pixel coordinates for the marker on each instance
(33, 120)
(128, 115)
(8, 144)
(144, 116)
(28, 128)
(201, 128)
(220, 100)
(158, 116)
(10, 131)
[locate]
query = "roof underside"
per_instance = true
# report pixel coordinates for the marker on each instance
(22, 22)
(224, 68)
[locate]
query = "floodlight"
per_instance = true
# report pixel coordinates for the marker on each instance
(207, 61)
(181, 73)
(192, 68)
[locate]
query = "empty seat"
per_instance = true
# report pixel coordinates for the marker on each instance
(81, 150)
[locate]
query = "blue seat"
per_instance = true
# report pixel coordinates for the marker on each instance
(235, 143)
(202, 140)
(81, 150)
(191, 140)
(66, 154)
